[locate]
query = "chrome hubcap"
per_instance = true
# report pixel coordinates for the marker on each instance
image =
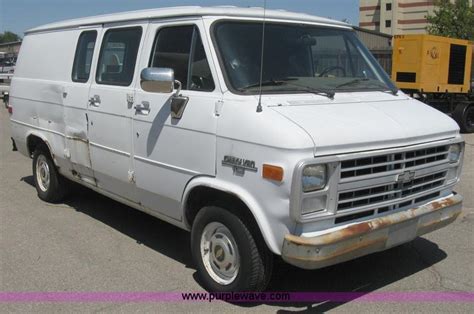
(219, 253)
(42, 173)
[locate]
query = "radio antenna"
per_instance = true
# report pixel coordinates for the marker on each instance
(259, 106)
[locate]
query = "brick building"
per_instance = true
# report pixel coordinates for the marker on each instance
(396, 17)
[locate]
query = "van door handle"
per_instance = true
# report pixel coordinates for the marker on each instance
(94, 101)
(143, 108)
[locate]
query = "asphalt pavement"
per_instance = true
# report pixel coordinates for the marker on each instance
(93, 244)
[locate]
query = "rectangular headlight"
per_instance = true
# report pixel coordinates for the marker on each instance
(314, 178)
(454, 153)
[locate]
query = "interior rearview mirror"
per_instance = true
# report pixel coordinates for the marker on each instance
(157, 80)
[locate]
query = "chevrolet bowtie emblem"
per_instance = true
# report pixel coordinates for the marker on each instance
(405, 177)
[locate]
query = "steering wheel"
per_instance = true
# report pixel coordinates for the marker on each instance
(332, 68)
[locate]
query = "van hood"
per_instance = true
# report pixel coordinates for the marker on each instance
(368, 125)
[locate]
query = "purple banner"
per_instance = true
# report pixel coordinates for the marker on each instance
(244, 297)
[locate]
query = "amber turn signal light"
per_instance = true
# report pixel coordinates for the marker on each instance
(272, 172)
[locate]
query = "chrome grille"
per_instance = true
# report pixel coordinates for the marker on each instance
(381, 210)
(369, 196)
(396, 161)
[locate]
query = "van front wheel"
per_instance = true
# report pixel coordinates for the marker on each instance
(226, 254)
(50, 185)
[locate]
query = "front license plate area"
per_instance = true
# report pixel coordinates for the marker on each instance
(402, 233)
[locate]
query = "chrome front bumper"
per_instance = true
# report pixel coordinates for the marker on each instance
(370, 236)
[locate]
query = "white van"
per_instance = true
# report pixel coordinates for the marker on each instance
(160, 110)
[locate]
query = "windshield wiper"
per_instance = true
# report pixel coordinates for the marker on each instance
(286, 81)
(271, 82)
(329, 94)
(394, 91)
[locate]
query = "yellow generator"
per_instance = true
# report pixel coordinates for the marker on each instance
(438, 71)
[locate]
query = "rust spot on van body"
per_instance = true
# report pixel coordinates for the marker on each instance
(79, 139)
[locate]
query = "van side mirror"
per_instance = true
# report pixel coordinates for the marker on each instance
(157, 80)
(161, 80)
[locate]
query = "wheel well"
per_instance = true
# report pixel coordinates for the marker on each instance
(33, 142)
(202, 196)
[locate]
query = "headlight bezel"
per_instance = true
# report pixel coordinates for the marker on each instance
(328, 191)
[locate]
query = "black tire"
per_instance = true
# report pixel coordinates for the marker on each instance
(57, 188)
(464, 116)
(256, 260)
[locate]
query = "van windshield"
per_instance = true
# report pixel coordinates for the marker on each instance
(297, 58)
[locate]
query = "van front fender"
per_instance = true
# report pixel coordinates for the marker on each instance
(267, 228)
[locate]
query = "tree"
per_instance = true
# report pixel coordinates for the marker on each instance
(8, 37)
(454, 20)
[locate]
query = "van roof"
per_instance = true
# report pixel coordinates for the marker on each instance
(229, 11)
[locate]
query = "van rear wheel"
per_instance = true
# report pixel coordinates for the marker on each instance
(226, 253)
(50, 185)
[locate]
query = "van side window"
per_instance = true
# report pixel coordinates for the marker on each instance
(181, 49)
(83, 57)
(118, 56)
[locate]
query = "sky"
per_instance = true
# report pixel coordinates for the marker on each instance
(20, 15)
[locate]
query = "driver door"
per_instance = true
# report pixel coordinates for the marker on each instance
(169, 152)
